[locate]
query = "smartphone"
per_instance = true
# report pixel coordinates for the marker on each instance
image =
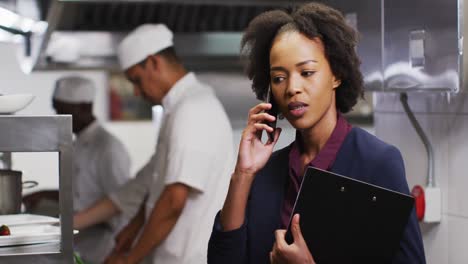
(273, 111)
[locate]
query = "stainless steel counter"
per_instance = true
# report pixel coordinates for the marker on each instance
(44, 134)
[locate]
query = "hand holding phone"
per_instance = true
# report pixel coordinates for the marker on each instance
(273, 111)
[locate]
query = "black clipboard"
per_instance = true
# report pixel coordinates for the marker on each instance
(344, 220)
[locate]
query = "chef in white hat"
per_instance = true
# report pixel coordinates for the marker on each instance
(74, 95)
(101, 164)
(179, 191)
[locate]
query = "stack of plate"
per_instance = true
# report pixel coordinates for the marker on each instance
(30, 231)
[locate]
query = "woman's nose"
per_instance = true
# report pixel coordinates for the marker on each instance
(294, 86)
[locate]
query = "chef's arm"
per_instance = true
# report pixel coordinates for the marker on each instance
(99, 212)
(162, 220)
(128, 234)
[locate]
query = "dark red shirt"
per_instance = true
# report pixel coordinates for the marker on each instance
(324, 160)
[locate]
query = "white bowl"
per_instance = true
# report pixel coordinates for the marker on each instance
(14, 102)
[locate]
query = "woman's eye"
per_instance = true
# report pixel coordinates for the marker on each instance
(307, 73)
(277, 79)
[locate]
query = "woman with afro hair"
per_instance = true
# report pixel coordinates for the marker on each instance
(307, 58)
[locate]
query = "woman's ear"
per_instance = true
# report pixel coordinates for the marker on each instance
(336, 82)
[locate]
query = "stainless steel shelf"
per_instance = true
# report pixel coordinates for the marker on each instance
(44, 134)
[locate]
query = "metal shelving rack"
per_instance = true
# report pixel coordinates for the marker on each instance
(44, 134)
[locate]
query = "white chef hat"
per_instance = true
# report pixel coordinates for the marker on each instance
(74, 89)
(145, 40)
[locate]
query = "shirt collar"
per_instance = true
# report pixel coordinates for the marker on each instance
(88, 132)
(177, 91)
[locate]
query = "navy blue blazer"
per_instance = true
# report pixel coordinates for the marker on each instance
(362, 156)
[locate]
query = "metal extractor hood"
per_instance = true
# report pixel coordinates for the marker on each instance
(84, 34)
(400, 51)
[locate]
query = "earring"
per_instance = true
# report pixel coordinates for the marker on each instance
(280, 116)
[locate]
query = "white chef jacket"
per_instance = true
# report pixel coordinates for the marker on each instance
(101, 165)
(194, 148)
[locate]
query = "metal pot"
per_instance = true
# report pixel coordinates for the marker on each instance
(11, 188)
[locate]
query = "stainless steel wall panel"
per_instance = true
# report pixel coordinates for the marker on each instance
(427, 28)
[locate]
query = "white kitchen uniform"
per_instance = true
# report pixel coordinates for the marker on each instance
(195, 147)
(101, 166)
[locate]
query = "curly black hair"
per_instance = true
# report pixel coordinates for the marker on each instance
(314, 20)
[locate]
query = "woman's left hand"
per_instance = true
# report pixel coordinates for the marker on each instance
(296, 253)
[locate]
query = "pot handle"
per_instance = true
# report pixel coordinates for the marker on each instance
(29, 184)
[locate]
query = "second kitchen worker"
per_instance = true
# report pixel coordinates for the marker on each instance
(175, 196)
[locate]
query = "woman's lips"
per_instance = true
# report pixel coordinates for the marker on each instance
(297, 109)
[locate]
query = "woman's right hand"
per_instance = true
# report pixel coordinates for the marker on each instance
(253, 153)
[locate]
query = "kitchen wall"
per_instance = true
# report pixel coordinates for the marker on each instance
(445, 120)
